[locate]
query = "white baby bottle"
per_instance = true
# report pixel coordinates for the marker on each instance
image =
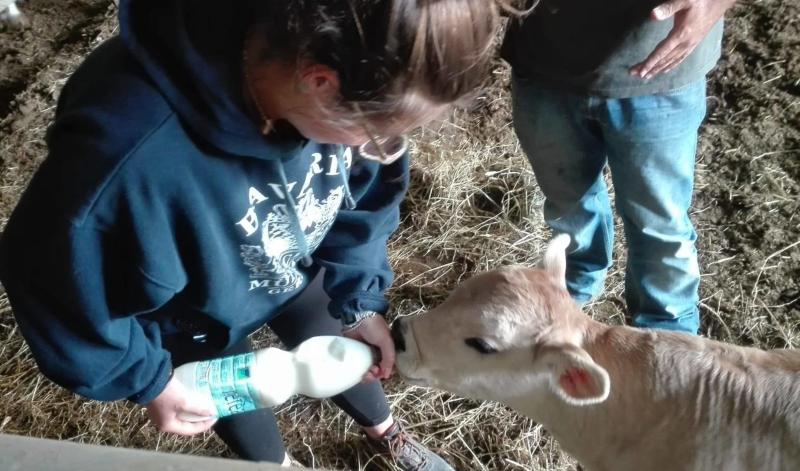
(320, 367)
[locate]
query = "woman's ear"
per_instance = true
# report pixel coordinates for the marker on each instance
(574, 376)
(318, 81)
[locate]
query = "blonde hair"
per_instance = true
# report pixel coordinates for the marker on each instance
(393, 57)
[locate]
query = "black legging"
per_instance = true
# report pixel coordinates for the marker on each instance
(255, 435)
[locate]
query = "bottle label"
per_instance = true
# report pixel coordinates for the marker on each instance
(230, 382)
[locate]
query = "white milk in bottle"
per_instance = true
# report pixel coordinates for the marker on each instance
(320, 367)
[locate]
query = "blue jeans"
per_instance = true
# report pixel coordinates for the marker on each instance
(649, 144)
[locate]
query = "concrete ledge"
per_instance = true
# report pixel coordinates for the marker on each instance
(37, 454)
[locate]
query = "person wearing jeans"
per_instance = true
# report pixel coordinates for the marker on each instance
(648, 143)
(619, 85)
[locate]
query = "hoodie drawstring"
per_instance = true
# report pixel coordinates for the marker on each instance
(349, 201)
(297, 231)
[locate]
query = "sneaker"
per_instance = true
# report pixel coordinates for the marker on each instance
(289, 461)
(407, 453)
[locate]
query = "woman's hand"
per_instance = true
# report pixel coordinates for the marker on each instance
(375, 331)
(169, 410)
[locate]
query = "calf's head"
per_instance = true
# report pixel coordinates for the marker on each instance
(503, 335)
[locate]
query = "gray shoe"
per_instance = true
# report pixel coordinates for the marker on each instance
(289, 461)
(407, 453)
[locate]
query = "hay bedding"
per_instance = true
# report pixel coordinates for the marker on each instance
(473, 205)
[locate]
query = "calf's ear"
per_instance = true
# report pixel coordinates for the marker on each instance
(555, 259)
(574, 376)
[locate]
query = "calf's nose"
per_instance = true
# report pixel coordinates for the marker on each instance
(397, 335)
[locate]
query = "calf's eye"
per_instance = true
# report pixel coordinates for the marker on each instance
(480, 345)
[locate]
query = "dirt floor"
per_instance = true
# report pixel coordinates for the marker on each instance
(474, 205)
(748, 204)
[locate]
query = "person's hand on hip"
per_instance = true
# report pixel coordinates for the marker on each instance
(693, 19)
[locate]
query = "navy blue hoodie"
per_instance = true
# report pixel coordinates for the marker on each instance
(161, 202)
